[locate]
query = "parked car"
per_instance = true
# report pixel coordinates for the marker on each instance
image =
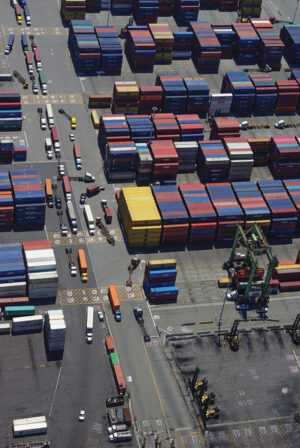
(82, 415)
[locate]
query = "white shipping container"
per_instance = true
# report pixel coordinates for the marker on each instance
(43, 276)
(42, 253)
(29, 420)
(5, 328)
(26, 430)
(55, 313)
(41, 266)
(36, 319)
(88, 214)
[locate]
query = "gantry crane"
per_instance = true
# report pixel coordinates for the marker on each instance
(254, 244)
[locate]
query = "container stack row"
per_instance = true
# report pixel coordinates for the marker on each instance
(73, 9)
(285, 157)
(186, 11)
(84, 46)
(271, 47)
(126, 96)
(240, 85)
(140, 217)
(165, 159)
(93, 5)
(6, 150)
(27, 324)
(175, 94)
(150, 98)
(187, 156)
(111, 49)
(283, 212)
(224, 127)
(175, 219)
(55, 330)
(261, 150)
(246, 43)
(141, 128)
(288, 96)
(213, 161)
(250, 8)
(29, 197)
(290, 36)
(12, 271)
(145, 163)
(146, 11)
(164, 42)
(119, 6)
(202, 216)
(121, 160)
(226, 36)
(183, 44)
(10, 111)
(166, 126)
(204, 213)
(6, 202)
(113, 128)
(20, 150)
(140, 48)
(253, 205)
(241, 158)
(206, 47)
(159, 281)
(197, 95)
(42, 277)
(265, 94)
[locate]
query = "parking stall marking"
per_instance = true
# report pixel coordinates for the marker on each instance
(98, 295)
(53, 98)
(82, 237)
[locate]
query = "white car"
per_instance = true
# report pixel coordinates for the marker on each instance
(82, 415)
(89, 337)
(100, 316)
(72, 137)
(50, 155)
(35, 89)
(43, 124)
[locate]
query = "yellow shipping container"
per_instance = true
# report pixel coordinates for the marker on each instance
(95, 119)
(119, 109)
(287, 266)
(140, 206)
(164, 57)
(169, 263)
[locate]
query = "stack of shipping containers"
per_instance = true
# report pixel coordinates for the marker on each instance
(150, 97)
(241, 158)
(73, 9)
(126, 97)
(159, 281)
(197, 95)
(175, 94)
(271, 47)
(213, 161)
(6, 202)
(246, 43)
(145, 163)
(226, 37)
(290, 36)
(206, 47)
(285, 156)
(203, 219)
(187, 156)
(175, 220)
(6, 150)
(84, 46)
(283, 212)
(29, 198)
(165, 159)
(225, 127)
(186, 11)
(141, 128)
(10, 112)
(183, 44)
(166, 126)
(42, 277)
(111, 49)
(146, 11)
(228, 210)
(140, 48)
(140, 216)
(12, 271)
(253, 205)
(55, 330)
(113, 128)
(288, 96)
(239, 84)
(121, 160)
(293, 188)
(164, 42)
(265, 94)
(190, 127)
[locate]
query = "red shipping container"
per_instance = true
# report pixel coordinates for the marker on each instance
(108, 215)
(36, 245)
(109, 344)
(93, 189)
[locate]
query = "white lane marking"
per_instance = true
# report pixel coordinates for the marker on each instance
(81, 79)
(55, 390)
(26, 140)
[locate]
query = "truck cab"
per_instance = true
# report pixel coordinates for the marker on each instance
(118, 316)
(73, 123)
(10, 43)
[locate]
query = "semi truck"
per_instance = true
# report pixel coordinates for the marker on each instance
(43, 83)
(10, 43)
(114, 302)
(27, 15)
(29, 62)
(72, 216)
(117, 437)
(37, 58)
(67, 188)
(55, 140)
(24, 42)
(77, 155)
(89, 319)
(90, 222)
(82, 265)
(50, 116)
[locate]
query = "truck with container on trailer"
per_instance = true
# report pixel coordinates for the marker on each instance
(48, 147)
(55, 140)
(29, 426)
(89, 324)
(37, 58)
(67, 188)
(10, 43)
(118, 437)
(82, 265)
(77, 155)
(116, 428)
(43, 83)
(29, 63)
(114, 302)
(89, 219)
(49, 192)
(72, 216)
(50, 116)
(18, 15)
(24, 42)
(27, 15)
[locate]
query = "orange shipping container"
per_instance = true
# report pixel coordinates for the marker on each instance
(119, 379)
(113, 297)
(82, 260)
(109, 344)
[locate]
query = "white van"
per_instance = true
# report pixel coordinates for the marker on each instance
(48, 147)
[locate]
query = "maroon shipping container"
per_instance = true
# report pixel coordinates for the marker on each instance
(67, 186)
(54, 134)
(289, 286)
(108, 215)
(10, 106)
(93, 189)
(14, 301)
(76, 150)
(109, 344)
(127, 416)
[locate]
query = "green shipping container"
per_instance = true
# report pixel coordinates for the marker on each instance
(14, 311)
(114, 360)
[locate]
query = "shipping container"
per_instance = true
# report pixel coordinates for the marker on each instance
(109, 344)
(13, 311)
(89, 318)
(50, 116)
(67, 188)
(119, 379)
(113, 358)
(14, 301)
(29, 62)
(95, 119)
(113, 297)
(77, 155)
(72, 216)
(82, 265)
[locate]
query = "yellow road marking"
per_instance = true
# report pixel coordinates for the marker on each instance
(153, 378)
(27, 367)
